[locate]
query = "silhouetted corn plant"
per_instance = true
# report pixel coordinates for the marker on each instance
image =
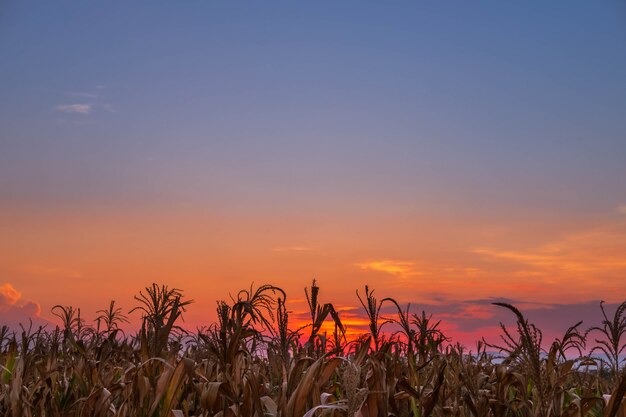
(372, 309)
(542, 380)
(285, 339)
(234, 368)
(111, 318)
(403, 320)
(611, 342)
(428, 337)
(161, 308)
(319, 313)
(256, 306)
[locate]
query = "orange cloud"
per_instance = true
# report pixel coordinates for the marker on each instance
(292, 249)
(15, 311)
(583, 263)
(8, 295)
(430, 277)
(389, 266)
(401, 270)
(51, 271)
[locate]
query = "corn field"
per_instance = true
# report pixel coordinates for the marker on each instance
(252, 363)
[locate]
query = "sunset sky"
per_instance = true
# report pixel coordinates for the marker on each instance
(447, 154)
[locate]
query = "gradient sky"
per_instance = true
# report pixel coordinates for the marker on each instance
(446, 154)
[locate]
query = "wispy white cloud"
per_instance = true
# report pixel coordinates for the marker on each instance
(78, 108)
(107, 107)
(81, 94)
(621, 209)
(93, 103)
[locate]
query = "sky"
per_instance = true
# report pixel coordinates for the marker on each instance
(447, 154)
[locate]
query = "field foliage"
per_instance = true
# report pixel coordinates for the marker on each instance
(252, 363)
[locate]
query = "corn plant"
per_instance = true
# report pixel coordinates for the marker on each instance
(611, 342)
(250, 363)
(372, 309)
(161, 308)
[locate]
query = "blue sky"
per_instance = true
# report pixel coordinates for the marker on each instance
(409, 96)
